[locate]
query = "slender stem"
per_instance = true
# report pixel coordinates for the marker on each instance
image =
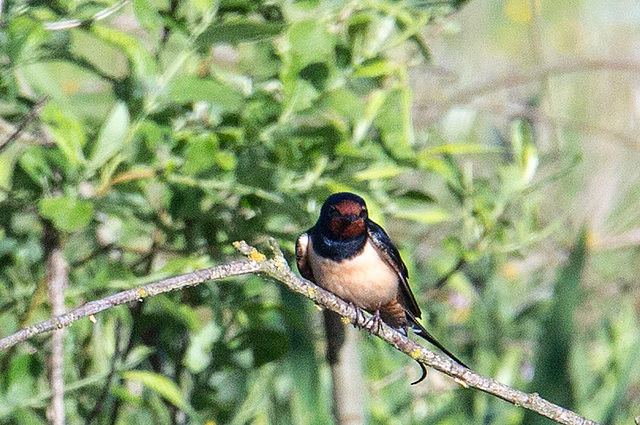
(278, 269)
(73, 23)
(496, 83)
(57, 279)
(17, 132)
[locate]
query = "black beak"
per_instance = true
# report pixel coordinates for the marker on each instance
(349, 218)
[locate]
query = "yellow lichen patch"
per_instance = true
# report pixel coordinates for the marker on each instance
(142, 173)
(415, 354)
(345, 320)
(279, 263)
(236, 244)
(210, 423)
(461, 315)
(70, 87)
(592, 239)
(92, 318)
(461, 382)
(142, 292)
(510, 271)
(311, 291)
(520, 11)
(256, 256)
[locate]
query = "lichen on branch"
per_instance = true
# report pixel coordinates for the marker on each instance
(278, 269)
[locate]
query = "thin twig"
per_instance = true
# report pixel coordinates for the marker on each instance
(57, 279)
(74, 23)
(134, 294)
(97, 408)
(278, 269)
(505, 81)
(461, 262)
(627, 139)
(33, 114)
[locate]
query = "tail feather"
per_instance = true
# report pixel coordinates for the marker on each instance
(421, 331)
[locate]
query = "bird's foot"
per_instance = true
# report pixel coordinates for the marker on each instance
(373, 322)
(360, 317)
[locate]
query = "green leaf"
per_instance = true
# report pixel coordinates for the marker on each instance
(552, 378)
(300, 95)
(198, 354)
(204, 6)
(162, 385)
(457, 149)
(395, 122)
(379, 31)
(191, 89)
(146, 14)
(112, 136)
(27, 416)
(200, 155)
(8, 159)
(374, 173)
(524, 150)
(378, 68)
(238, 32)
(226, 160)
(346, 103)
(67, 213)
(530, 163)
(309, 42)
(375, 101)
(20, 377)
(67, 132)
(424, 216)
(303, 366)
(267, 345)
(414, 195)
(142, 59)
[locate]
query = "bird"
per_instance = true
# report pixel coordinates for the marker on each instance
(350, 255)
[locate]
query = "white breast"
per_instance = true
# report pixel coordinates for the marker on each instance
(365, 280)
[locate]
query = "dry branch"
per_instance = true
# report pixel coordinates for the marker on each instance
(17, 132)
(74, 23)
(278, 269)
(57, 277)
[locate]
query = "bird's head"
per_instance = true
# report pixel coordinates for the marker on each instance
(343, 216)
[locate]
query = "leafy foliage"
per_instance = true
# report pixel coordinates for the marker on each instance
(175, 128)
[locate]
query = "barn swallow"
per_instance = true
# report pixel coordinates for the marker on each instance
(348, 254)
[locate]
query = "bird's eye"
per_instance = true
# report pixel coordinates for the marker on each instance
(333, 211)
(363, 213)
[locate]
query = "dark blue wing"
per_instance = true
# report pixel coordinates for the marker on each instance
(302, 259)
(391, 256)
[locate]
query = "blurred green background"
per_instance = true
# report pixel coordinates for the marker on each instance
(494, 138)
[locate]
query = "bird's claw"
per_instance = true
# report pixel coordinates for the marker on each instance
(373, 322)
(360, 317)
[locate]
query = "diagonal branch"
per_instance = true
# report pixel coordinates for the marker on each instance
(17, 132)
(278, 269)
(58, 279)
(73, 23)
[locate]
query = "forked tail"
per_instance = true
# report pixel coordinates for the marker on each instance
(421, 331)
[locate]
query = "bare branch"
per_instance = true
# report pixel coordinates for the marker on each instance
(58, 279)
(130, 295)
(278, 269)
(17, 131)
(73, 23)
(511, 110)
(496, 83)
